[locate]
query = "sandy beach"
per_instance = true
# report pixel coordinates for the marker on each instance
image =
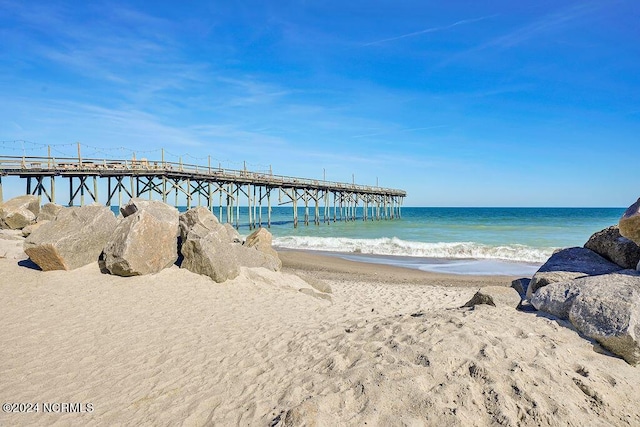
(320, 213)
(391, 347)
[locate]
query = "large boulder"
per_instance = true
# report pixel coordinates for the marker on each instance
(556, 298)
(48, 212)
(199, 215)
(609, 244)
(145, 240)
(209, 252)
(74, 239)
(605, 308)
(216, 250)
(17, 213)
(630, 223)
(261, 240)
(568, 264)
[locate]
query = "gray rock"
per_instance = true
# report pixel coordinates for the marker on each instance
(557, 298)
(145, 240)
(74, 239)
(199, 215)
(497, 296)
(31, 228)
(17, 213)
(261, 240)
(569, 264)
(128, 209)
(630, 223)
(209, 252)
(48, 212)
(609, 244)
(605, 308)
(204, 217)
(213, 249)
(521, 285)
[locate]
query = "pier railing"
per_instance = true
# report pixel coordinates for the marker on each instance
(199, 184)
(66, 166)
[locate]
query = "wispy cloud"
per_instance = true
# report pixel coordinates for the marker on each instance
(250, 90)
(392, 131)
(548, 24)
(114, 44)
(429, 30)
(541, 27)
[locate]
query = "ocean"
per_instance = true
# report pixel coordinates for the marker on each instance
(483, 241)
(508, 241)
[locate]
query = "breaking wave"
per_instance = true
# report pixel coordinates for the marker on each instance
(398, 247)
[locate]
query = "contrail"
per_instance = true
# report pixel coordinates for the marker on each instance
(430, 30)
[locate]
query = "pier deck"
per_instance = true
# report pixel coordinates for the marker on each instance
(199, 185)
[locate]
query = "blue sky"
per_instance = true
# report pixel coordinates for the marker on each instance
(460, 103)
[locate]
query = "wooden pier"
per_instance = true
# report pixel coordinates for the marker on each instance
(202, 186)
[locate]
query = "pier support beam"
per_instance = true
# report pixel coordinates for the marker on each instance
(82, 187)
(269, 208)
(237, 200)
(188, 181)
(295, 211)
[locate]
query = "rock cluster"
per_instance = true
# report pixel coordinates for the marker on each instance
(149, 236)
(216, 250)
(597, 288)
(605, 308)
(569, 264)
(17, 213)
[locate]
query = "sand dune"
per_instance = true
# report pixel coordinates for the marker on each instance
(175, 347)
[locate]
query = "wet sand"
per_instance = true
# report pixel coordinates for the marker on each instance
(333, 267)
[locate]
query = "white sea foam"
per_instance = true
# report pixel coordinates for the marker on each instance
(399, 247)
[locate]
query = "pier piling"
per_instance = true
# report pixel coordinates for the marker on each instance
(199, 184)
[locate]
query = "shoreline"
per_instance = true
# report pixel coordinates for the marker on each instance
(332, 267)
